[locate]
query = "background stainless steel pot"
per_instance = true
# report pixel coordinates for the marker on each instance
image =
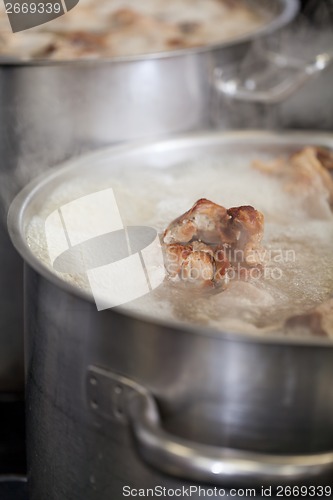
(284, 81)
(115, 399)
(52, 111)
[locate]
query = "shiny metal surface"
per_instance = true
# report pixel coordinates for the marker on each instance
(50, 111)
(123, 400)
(276, 87)
(267, 395)
(293, 82)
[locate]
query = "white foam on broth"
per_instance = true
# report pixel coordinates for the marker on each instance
(300, 244)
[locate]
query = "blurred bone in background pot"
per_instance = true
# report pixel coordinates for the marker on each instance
(52, 110)
(115, 398)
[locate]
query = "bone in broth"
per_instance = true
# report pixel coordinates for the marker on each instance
(283, 293)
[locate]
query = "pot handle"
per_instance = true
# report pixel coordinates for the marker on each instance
(119, 398)
(248, 91)
(195, 461)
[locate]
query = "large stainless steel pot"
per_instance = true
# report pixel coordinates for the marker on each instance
(115, 399)
(52, 111)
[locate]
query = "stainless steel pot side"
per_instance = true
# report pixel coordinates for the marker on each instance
(115, 399)
(50, 111)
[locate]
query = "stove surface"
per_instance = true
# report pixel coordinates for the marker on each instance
(13, 488)
(12, 437)
(13, 485)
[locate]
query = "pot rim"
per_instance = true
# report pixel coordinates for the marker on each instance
(290, 9)
(26, 195)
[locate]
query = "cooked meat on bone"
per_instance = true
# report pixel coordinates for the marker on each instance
(80, 44)
(319, 321)
(305, 173)
(247, 225)
(196, 244)
(325, 156)
(310, 173)
(205, 221)
(196, 263)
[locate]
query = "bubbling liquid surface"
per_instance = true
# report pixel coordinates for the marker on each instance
(299, 272)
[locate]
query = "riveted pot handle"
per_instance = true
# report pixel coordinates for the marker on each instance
(212, 464)
(248, 90)
(118, 398)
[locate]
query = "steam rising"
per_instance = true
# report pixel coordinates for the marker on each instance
(44, 133)
(276, 59)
